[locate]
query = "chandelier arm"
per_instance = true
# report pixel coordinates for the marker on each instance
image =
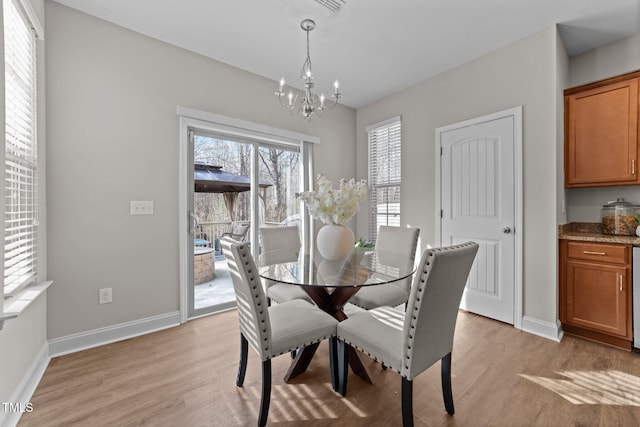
(290, 106)
(332, 103)
(280, 96)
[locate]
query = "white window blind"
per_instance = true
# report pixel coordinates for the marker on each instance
(21, 210)
(384, 175)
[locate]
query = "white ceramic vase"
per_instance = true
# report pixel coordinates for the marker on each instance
(335, 241)
(638, 231)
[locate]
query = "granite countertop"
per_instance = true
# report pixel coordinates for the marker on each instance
(592, 232)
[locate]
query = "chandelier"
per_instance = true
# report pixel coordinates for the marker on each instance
(310, 103)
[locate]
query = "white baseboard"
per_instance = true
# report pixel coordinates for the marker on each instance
(548, 330)
(27, 387)
(97, 337)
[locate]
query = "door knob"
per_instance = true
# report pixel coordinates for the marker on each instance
(506, 230)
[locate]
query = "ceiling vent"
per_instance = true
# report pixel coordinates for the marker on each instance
(333, 6)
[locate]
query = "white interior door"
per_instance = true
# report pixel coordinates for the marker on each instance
(478, 185)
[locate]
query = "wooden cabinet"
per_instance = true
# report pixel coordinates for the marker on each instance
(601, 133)
(595, 291)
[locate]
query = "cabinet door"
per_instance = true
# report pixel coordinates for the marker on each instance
(602, 136)
(597, 297)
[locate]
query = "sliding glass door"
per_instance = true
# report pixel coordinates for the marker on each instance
(239, 185)
(280, 168)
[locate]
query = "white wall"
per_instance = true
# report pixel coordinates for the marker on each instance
(623, 56)
(562, 82)
(23, 345)
(522, 73)
(23, 339)
(619, 57)
(113, 138)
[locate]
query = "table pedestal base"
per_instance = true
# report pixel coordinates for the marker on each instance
(304, 356)
(332, 303)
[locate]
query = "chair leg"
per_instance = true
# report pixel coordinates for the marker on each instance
(343, 367)
(242, 365)
(266, 393)
(445, 364)
(407, 402)
(333, 363)
(294, 353)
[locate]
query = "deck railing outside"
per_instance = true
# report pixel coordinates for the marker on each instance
(207, 232)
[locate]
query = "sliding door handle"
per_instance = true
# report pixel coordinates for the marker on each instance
(193, 223)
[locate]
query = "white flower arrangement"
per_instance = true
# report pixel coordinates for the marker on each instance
(335, 206)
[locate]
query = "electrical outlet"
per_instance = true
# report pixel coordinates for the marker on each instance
(105, 296)
(141, 207)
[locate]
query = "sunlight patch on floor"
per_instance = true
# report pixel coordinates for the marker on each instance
(594, 387)
(300, 402)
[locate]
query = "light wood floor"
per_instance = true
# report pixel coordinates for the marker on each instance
(185, 376)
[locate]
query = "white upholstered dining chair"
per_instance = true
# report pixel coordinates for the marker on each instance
(396, 247)
(272, 331)
(410, 342)
(281, 244)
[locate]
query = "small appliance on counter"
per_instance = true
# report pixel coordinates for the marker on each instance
(619, 218)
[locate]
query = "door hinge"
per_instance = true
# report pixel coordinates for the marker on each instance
(441, 151)
(441, 214)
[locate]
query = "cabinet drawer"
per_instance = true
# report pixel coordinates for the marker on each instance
(599, 252)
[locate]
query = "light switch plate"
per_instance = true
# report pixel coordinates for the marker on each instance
(105, 295)
(141, 207)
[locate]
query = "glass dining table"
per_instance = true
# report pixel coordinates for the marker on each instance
(331, 283)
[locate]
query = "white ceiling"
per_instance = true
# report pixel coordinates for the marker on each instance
(374, 47)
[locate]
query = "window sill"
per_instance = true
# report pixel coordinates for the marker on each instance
(15, 305)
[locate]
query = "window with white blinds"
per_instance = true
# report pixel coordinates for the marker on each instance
(384, 175)
(21, 209)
